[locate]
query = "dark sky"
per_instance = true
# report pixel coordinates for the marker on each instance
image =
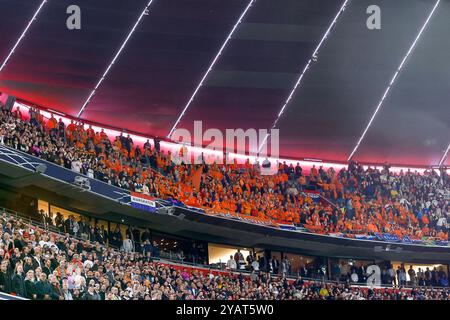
(173, 46)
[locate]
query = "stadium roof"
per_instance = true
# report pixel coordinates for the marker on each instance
(175, 43)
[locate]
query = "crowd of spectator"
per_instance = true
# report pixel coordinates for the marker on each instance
(124, 237)
(390, 276)
(361, 201)
(272, 265)
(404, 204)
(42, 265)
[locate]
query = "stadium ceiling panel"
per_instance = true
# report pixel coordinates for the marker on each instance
(338, 96)
(414, 124)
(165, 59)
(15, 15)
(58, 67)
(114, 60)
(163, 63)
(23, 34)
(261, 64)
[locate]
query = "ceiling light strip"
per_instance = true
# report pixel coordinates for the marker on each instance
(444, 156)
(393, 79)
(313, 58)
(144, 12)
(211, 67)
(23, 34)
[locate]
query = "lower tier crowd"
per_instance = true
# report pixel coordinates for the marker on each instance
(39, 264)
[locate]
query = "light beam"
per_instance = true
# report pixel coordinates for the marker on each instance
(211, 67)
(313, 58)
(144, 12)
(393, 79)
(444, 156)
(34, 18)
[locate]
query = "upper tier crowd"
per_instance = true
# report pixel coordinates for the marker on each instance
(360, 201)
(42, 265)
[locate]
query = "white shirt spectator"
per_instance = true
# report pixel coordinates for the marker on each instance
(127, 245)
(145, 189)
(442, 222)
(75, 227)
(231, 264)
(76, 166)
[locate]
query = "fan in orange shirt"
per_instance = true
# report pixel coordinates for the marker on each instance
(71, 127)
(52, 123)
(90, 132)
(371, 227)
(249, 208)
(103, 135)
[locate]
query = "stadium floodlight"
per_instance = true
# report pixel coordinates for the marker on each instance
(397, 72)
(210, 67)
(314, 58)
(444, 156)
(34, 18)
(144, 13)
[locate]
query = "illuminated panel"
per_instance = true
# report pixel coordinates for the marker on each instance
(393, 79)
(444, 156)
(210, 67)
(313, 58)
(144, 12)
(23, 34)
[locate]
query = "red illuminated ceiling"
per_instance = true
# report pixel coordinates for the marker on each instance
(175, 43)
